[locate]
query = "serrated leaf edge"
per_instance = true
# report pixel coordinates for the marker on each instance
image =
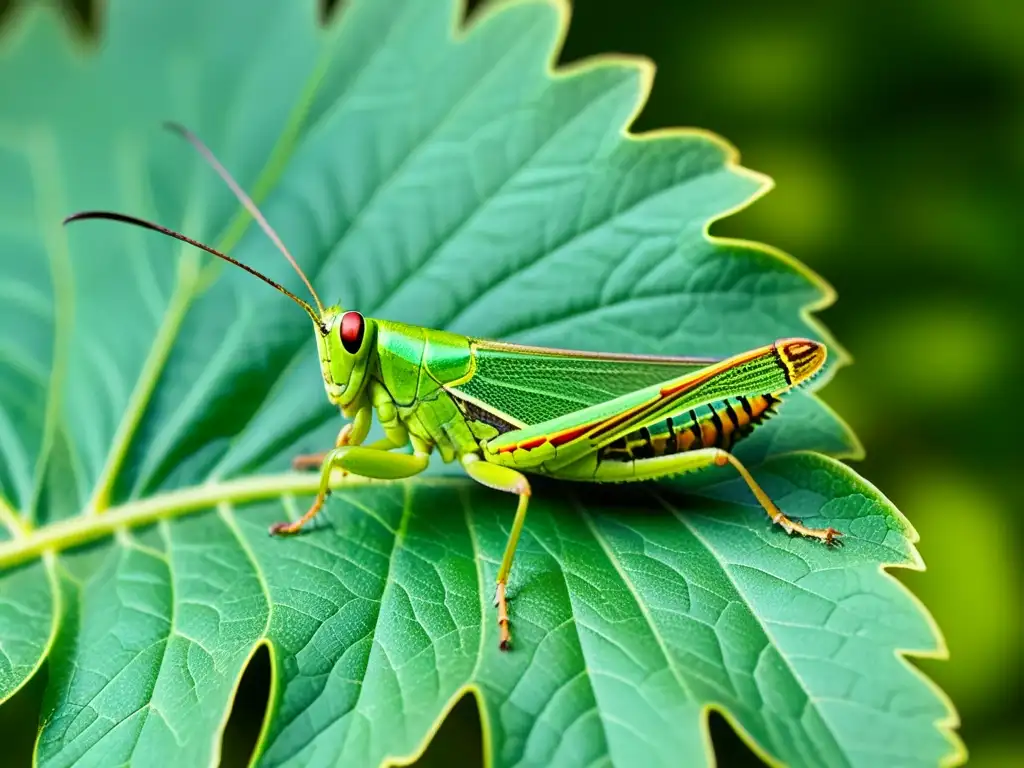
(48, 541)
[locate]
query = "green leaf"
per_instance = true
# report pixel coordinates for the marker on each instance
(424, 171)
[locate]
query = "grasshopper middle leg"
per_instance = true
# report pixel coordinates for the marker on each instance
(509, 480)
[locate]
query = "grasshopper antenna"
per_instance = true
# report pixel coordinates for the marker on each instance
(244, 199)
(126, 219)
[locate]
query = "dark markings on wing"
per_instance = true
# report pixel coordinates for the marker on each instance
(473, 412)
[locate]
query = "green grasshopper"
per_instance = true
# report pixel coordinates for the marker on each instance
(504, 410)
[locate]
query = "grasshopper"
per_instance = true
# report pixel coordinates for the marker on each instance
(505, 410)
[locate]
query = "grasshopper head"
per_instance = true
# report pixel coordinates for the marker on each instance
(344, 340)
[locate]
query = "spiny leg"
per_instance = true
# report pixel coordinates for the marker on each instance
(790, 526)
(366, 461)
(509, 480)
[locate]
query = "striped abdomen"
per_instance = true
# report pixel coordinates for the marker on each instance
(718, 425)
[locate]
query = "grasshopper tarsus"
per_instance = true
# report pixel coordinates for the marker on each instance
(505, 636)
(279, 529)
(285, 528)
(793, 527)
(831, 538)
(828, 536)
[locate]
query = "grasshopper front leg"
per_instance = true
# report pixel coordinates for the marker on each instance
(509, 480)
(314, 460)
(367, 461)
(356, 430)
(373, 460)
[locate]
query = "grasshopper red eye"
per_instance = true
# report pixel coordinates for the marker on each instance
(350, 329)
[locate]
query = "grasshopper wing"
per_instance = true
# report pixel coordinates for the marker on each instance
(771, 369)
(521, 386)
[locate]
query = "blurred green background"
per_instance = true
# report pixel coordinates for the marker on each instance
(895, 135)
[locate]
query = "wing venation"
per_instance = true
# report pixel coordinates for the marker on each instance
(536, 384)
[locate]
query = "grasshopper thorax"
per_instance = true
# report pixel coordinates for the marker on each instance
(344, 341)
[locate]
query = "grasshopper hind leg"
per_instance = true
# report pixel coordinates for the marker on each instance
(830, 536)
(589, 469)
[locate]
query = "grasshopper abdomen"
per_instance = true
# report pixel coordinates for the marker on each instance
(716, 425)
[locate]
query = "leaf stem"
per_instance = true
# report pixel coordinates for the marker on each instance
(82, 529)
(181, 300)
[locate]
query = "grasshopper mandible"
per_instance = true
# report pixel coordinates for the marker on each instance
(506, 410)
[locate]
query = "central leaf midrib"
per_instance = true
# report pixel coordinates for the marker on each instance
(83, 529)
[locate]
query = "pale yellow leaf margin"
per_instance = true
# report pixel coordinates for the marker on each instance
(44, 543)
